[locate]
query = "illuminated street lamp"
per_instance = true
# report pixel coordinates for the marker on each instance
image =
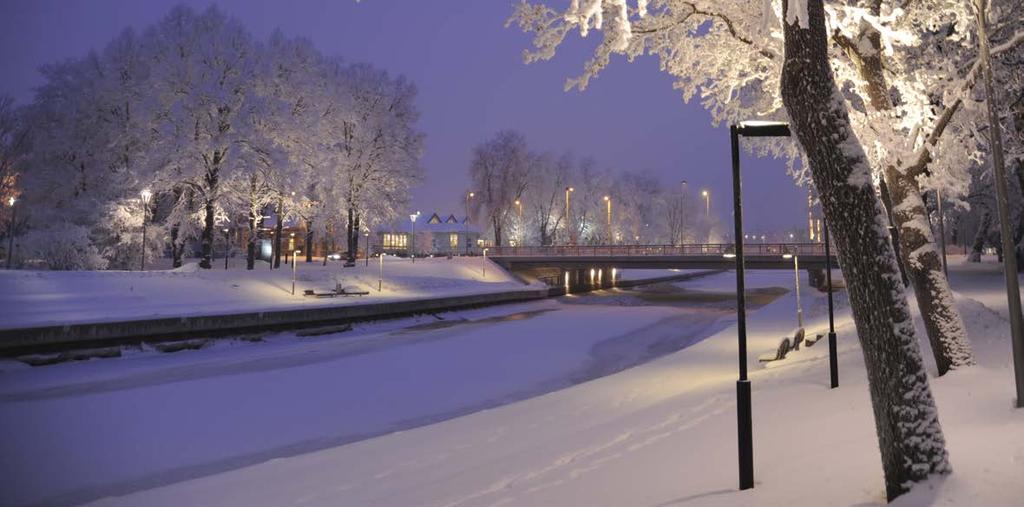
(366, 233)
(146, 196)
(707, 202)
(568, 230)
(796, 283)
(412, 239)
(744, 420)
(608, 202)
(466, 223)
(10, 231)
(380, 275)
(483, 268)
(294, 268)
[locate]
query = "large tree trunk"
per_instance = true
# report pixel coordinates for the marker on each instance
(945, 328)
(250, 248)
(278, 232)
(352, 236)
(497, 230)
(207, 238)
(893, 230)
(308, 244)
(909, 435)
(980, 236)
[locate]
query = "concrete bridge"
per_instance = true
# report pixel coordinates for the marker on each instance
(582, 265)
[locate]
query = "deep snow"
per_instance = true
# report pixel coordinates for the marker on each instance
(660, 434)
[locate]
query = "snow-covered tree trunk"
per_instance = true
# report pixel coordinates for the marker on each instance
(921, 261)
(250, 247)
(981, 236)
(278, 232)
(910, 438)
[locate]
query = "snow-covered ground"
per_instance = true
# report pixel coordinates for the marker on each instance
(34, 298)
(37, 298)
(264, 424)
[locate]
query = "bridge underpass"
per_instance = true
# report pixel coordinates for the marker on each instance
(597, 266)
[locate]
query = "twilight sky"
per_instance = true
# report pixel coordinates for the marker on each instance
(471, 81)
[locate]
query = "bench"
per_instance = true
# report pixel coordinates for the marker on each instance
(785, 346)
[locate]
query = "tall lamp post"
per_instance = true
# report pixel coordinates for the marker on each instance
(412, 239)
(146, 196)
(682, 210)
(568, 219)
(833, 366)
(707, 202)
(366, 233)
(466, 222)
(608, 203)
(744, 420)
(10, 231)
(796, 283)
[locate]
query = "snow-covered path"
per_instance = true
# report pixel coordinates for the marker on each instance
(83, 430)
(662, 434)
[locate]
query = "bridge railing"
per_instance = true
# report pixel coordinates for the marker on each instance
(753, 249)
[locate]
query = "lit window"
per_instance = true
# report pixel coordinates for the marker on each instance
(394, 240)
(453, 239)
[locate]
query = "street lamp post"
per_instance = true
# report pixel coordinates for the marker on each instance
(483, 267)
(412, 239)
(294, 268)
(796, 283)
(380, 275)
(568, 219)
(707, 202)
(466, 222)
(367, 242)
(833, 366)
(10, 231)
(608, 202)
(146, 195)
(682, 211)
(744, 419)
(227, 247)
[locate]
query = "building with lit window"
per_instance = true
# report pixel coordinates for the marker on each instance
(436, 235)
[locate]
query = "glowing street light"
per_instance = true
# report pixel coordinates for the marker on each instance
(707, 202)
(294, 268)
(483, 268)
(744, 421)
(608, 202)
(796, 283)
(366, 233)
(466, 222)
(380, 275)
(10, 231)
(412, 239)
(146, 196)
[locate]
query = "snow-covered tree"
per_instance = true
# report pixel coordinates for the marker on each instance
(499, 172)
(732, 56)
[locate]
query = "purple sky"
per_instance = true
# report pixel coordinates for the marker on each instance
(471, 81)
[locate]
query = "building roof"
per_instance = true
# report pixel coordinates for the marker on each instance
(435, 222)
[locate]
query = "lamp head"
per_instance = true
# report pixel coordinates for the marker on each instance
(704, 193)
(146, 195)
(607, 198)
(11, 200)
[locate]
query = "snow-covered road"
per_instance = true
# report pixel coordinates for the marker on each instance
(80, 431)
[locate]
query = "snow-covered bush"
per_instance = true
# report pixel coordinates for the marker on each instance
(119, 235)
(63, 246)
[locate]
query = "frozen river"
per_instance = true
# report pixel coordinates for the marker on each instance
(79, 431)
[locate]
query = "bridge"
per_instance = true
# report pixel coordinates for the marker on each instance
(597, 265)
(699, 256)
